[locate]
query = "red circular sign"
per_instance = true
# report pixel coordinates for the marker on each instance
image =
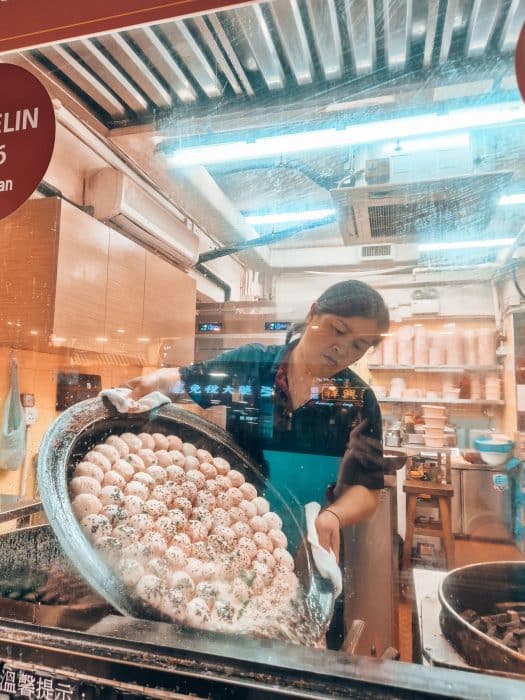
(520, 61)
(27, 135)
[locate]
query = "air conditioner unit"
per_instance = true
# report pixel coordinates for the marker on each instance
(428, 209)
(151, 222)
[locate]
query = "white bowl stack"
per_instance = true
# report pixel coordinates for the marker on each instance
(435, 419)
(492, 388)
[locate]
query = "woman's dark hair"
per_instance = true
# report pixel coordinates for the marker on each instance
(349, 298)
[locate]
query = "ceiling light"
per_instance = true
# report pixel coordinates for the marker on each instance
(512, 199)
(356, 134)
(459, 245)
(33, 332)
(101, 339)
(143, 340)
(58, 340)
(290, 216)
(120, 330)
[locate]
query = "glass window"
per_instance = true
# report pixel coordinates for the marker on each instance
(286, 239)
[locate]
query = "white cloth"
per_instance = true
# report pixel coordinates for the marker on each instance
(324, 560)
(119, 397)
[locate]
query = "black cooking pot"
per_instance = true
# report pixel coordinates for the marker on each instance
(481, 587)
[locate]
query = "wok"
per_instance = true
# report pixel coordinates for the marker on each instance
(89, 422)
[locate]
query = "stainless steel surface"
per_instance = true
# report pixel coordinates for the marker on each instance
(84, 79)
(125, 55)
(258, 37)
(398, 21)
(193, 57)
(513, 23)
(482, 24)
(486, 511)
(275, 47)
(457, 517)
(164, 63)
(88, 422)
(371, 575)
(291, 31)
(327, 37)
(361, 30)
(430, 36)
(105, 69)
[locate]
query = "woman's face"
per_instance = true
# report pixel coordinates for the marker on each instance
(330, 343)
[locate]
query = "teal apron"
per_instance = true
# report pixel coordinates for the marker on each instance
(295, 480)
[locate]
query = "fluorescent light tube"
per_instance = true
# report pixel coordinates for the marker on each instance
(290, 216)
(512, 199)
(357, 134)
(431, 144)
(459, 245)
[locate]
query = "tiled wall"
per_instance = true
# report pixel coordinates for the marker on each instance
(37, 375)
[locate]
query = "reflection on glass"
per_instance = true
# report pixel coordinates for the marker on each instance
(212, 175)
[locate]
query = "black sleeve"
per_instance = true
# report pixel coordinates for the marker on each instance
(371, 474)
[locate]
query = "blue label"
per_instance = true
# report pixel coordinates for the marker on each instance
(500, 482)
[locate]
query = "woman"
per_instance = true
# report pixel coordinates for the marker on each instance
(302, 399)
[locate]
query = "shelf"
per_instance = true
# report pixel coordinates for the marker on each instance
(410, 450)
(429, 529)
(457, 402)
(415, 318)
(441, 368)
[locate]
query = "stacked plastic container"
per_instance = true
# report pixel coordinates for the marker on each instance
(435, 419)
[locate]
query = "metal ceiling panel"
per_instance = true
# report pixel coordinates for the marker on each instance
(118, 47)
(190, 53)
(327, 37)
(361, 30)
(453, 7)
(430, 33)
(259, 38)
(84, 79)
(164, 63)
(234, 59)
(482, 23)
(513, 23)
(287, 18)
(110, 73)
(214, 47)
(275, 45)
(398, 25)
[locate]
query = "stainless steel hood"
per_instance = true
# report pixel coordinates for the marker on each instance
(261, 52)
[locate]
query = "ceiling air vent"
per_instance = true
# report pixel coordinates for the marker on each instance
(404, 213)
(376, 252)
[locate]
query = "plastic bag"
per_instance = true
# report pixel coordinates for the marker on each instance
(13, 427)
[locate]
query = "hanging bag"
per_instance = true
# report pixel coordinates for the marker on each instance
(12, 427)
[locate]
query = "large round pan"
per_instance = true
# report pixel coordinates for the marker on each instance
(87, 423)
(480, 587)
